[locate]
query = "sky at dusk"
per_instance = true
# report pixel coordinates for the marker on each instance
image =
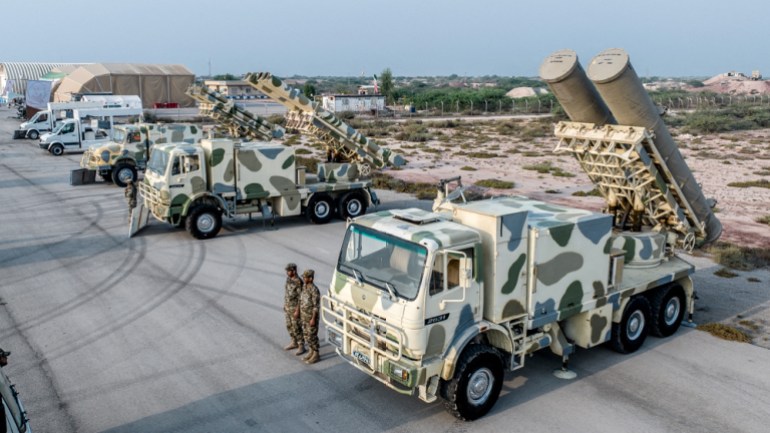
(413, 38)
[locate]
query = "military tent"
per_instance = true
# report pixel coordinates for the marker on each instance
(152, 83)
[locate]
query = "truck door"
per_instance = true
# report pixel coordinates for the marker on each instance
(448, 303)
(69, 135)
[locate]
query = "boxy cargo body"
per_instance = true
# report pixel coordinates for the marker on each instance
(196, 184)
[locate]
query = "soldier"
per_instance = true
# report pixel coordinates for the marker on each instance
(4, 357)
(130, 194)
(291, 295)
(310, 305)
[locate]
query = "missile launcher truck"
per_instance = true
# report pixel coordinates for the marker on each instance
(440, 304)
(196, 184)
(119, 160)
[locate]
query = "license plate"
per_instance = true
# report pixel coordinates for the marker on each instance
(362, 357)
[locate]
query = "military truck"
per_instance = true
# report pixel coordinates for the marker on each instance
(196, 184)
(120, 159)
(440, 304)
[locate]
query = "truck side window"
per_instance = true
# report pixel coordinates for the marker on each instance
(191, 163)
(437, 276)
(175, 167)
(135, 137)
(42, 118)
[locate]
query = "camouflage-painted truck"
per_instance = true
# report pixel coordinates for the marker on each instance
(120, 159)
(196, 184)
(440, 304)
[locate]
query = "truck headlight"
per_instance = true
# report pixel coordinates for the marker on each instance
(399, 373)
(334, 338)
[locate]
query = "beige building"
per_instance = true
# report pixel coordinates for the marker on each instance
(235, 89)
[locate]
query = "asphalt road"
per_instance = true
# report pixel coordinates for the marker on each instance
(164, 333)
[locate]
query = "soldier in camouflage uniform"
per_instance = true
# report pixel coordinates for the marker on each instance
(291, 295)
(130, 194)
(310, 306)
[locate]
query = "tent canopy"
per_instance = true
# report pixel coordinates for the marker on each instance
(152, 83)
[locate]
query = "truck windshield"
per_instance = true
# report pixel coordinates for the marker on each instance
(382, 260)
(158, 162)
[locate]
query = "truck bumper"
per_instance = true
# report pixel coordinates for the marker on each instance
(375, 348)
(43, 145)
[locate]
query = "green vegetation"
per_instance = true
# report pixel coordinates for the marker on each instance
(495, 183)
(593, 193)
(422, 190)
(468, 168)
(725, 332)
(737, 117)
(762, 183)
(547, 167)
(738, 257)
(764, 220)
(386, 85)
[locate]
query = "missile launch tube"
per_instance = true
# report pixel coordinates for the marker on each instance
(575, 92)
(624, 94)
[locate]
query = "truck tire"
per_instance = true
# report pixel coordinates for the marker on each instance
(351, 205)
(629, 335)
(204, 221)
(319, 209)
(476, 384)
(56, 149)
(33, 134)
(122, 173)
(667, 305)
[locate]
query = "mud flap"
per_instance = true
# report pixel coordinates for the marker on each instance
(140, 217)
(82, 176)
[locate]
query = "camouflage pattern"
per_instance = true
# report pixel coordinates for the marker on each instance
(239, 122)
(536, 265)
(291, 297)
(310, 117)
(310, 305)
(238, 177)
(133, 148)
(130, 194)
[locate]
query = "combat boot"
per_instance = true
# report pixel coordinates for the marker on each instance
(313, 358)
(309, 354)
(292, 345)
(300, 350)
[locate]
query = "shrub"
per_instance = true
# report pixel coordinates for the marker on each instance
(725, 332)
(762, 183)
(738, 257)
(495, 183)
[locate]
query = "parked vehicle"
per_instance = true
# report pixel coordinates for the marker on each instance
(77, 135)
(441, 304)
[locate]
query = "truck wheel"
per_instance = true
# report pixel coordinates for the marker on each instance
(319, 209)
(122, 173)
(476, 385)
(204, 221)
(57, 150)
(33, 134)
(667, 305)
(351, 205)
(629, 335)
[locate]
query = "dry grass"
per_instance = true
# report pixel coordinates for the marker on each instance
(725, 332)
(740, 258)
(494, 183)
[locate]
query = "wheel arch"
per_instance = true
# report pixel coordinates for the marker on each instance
(486, 333)
(203, 198)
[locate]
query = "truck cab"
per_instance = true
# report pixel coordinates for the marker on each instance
(72, 136)
(401, 296)
(40, 122)
(120, 159)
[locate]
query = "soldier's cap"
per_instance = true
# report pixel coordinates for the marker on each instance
(291, 266)
(4, 354)
(309, 273)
